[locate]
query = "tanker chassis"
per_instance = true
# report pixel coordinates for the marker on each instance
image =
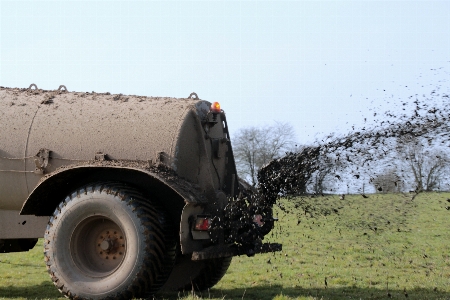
(132, 194)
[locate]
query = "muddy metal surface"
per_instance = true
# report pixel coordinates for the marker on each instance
(75, 126)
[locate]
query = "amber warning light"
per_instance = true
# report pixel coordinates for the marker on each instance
(215, 108)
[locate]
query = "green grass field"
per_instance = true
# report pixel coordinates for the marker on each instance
(382, 247)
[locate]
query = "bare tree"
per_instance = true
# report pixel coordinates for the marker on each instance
(254, 147)
(427, 166)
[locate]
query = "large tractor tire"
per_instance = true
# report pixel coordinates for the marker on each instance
(188, 275)
(106, 241)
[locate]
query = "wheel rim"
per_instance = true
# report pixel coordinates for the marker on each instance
(98, 246)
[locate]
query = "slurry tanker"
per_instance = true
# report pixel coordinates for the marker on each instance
(132, 194)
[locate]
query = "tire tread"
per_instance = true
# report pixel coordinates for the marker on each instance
(159, 239)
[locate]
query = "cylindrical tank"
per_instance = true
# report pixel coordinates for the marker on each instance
(75, 126)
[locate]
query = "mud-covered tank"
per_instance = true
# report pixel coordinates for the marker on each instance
(129, 192)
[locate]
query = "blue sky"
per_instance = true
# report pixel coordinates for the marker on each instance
(320, 65)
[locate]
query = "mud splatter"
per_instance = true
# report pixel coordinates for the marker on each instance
(357, 153)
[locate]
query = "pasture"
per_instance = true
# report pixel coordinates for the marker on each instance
(386, 246)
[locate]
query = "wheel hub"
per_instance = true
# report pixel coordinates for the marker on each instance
(98, 246)
(110, 244)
